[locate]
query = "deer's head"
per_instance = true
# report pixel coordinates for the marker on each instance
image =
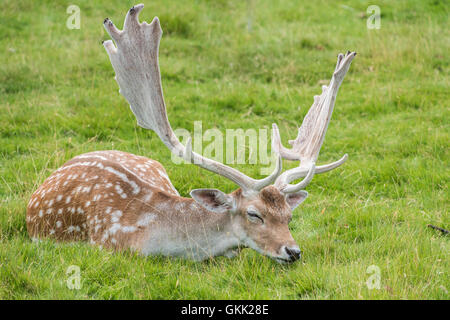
(261, 209)
(260, 220)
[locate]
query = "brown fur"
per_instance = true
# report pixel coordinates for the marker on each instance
(274, 233)
(82, 208)
(118, 200)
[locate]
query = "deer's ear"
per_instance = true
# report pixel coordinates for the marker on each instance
(294, 199)
(213, 200)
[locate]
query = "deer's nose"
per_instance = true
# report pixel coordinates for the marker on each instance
(293, 253)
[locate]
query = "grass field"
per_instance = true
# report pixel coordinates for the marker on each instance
(239, 64)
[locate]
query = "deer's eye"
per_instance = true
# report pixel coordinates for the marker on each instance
(254, 216)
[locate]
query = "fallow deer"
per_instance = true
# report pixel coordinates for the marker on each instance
(122, 201)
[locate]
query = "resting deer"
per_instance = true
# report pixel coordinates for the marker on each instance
(122, 201)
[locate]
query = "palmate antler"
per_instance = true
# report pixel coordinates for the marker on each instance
(135, 61)
(306, 147)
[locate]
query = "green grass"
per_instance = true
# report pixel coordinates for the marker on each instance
(58, 99)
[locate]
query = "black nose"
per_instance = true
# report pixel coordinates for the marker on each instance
(293, 253)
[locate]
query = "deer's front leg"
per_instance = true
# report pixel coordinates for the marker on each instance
(232, 253)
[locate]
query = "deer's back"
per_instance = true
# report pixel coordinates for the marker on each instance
(97, 196)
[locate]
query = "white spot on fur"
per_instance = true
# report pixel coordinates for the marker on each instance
(148, 196)
(127, 229)
(105, 236)
(116, 216)
(114, 228)
(119, 191)
(146, 219)
(124, 177)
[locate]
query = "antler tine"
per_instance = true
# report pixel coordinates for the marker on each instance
(287, 154)
(278, 147)
(132, 17)
(272, 177)
(135, 62)
(283, 183)
(113, 32)
(245, 182)
(306, 147)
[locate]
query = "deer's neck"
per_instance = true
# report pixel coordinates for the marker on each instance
(184, 228)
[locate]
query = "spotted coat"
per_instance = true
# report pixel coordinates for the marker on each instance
(102, 197)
